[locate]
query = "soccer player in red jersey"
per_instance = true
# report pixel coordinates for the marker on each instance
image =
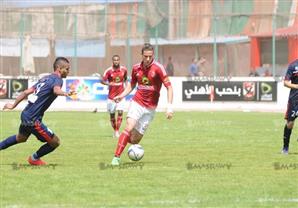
(148, 75)
(115, 77)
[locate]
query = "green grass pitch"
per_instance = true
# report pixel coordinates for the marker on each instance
(198, 159)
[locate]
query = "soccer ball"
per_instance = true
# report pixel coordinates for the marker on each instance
(135, 152)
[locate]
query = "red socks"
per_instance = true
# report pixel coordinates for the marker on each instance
(122, 142)
(113, 123)
(116, 125)
(119, 121)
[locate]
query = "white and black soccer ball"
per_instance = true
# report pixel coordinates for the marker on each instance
(135, 152)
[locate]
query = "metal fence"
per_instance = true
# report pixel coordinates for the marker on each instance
(216, 35)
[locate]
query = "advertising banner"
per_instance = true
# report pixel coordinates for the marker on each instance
(17, 86)
(3, 89)
(267, 91)
(88, 90)
(229, 91)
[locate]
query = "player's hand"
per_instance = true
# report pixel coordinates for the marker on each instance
(117, 99)
(169, 112)
(8, 106)
(71, 93)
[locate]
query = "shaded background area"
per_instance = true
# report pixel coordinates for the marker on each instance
(234, 37)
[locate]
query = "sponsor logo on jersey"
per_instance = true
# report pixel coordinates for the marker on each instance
(145, 80)
(117, 79)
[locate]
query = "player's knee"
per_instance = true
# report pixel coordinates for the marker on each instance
(21, 138)
(55, 142)
(129, 125)
(290, 125)
(135, 137)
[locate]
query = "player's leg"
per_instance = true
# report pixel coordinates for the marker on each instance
(137, 123)
(141, 127)
(290, 117)
(111, 108)
(120, 107)
(125, 136)
(113, 122)
(22, 136)
(135, 137)
(287, 135)
(43, 134)
(135, 111)
(119, 122)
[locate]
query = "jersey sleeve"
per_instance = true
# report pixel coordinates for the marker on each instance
(125, 74)
(57, 82)
(289, 73)
(35, 85)
(134, 79)
(106, 75)
(163, 76)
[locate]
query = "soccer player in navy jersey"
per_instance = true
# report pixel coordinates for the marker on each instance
(42, 94)
(291, 81)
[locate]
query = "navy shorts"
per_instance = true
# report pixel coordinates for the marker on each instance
(38, 129)
(292, 111)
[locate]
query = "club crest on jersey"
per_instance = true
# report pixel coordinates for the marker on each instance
(145, 80)
(117, 79)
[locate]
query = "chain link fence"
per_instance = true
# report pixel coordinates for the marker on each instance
(216, 36)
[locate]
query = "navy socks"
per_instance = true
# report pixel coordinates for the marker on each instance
(12, 140)
(287, 134)
(43, 150)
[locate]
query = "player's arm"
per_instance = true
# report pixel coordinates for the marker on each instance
(167, 83)
(21, 97)
(103, 82)
(169, 112)
(101, 79)
(129, 87)
(59, 92)
(289, 84)
(104, 79)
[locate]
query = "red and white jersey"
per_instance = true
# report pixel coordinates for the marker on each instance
(149, 82)
(116, 78)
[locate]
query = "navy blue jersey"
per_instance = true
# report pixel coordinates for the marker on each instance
(292, 75)
(42, 97)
